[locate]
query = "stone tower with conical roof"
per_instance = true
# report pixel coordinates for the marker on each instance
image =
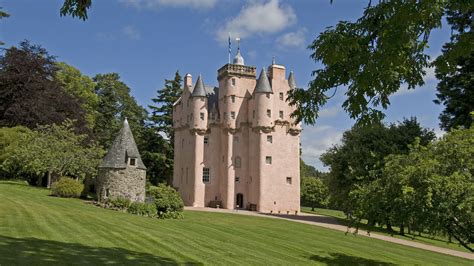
(122, 173)
(236, 145)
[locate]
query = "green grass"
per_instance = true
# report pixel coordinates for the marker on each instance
(39, 229)
(439, 241)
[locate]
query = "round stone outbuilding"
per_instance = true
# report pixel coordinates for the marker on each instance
(122, 172)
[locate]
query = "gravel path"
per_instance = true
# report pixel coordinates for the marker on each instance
(332, 223)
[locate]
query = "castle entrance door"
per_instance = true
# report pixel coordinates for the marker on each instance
(239, 201)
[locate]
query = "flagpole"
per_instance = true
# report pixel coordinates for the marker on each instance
(230, 49)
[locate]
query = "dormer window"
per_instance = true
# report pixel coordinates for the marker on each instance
(132, 161)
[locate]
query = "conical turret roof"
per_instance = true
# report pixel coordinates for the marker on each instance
(199, 90)
(123, 147)
(263, 85)
(291, 80)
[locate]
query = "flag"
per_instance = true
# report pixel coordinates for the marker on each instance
(230, 49)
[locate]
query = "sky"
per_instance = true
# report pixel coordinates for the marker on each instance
(146, 41)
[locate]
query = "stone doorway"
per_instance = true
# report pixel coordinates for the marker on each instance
(239, 201)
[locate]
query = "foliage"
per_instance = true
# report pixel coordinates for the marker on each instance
(143, 209)
(168, 202)
(57, 150)
(116, 104)
(3, 14)
(309, 170)
(76, 8)
(383, 49)
(157, 155)
(67, 188)
(11, 139)
(359, 159)
(118, 203)
(81, 87)
(456, 93)
(314, 192)
(29, 95)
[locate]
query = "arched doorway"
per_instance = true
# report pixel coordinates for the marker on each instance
(239, 202)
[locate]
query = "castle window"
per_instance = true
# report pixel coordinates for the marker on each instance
(202, 99)
(206, 139)
(232, 98)
(232, 115)
(269, 139)
(213, 116)
(281, 96)
(281, 114)
(233, 82)
(107, 193)
(288, 180)
(201, 115)
(132, 161)
(206, 178)
(237, 179)
(268, 160)
(238, 162)
(269, 113)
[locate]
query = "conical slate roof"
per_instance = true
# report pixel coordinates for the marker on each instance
(123, 147)
(199, 90)
(291, 80)
(263, 85)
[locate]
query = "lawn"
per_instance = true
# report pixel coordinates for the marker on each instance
(439, 241)
(39, 229)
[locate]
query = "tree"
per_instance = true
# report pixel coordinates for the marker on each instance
(382, 50)
(116, 104)
(309, 170)
(57, 151)
(456, 93)
(157, 155)
(29, 95)
(11, 139)
(161, 118)
(313, 192)
(81, 87)
(76, 8)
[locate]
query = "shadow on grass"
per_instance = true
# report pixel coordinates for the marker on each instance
(343, 260)
(33, 251)
(315, 218)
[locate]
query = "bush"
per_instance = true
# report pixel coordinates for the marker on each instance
(118, 203)
(143, 209)
(168, 202)
(67, 188)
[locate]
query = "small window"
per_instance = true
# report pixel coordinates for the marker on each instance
(253, 114)
(281, 114)
(206, 178)
(238, 162)
(206, 139)
(288, 180)
(232, 115)
(232, 98)
(237, 179)
(281, 96)
(107, 192)
(270, 139)
(236, 139)
(233, 82)
(132, 161)
(268, 160)
(201, 115)
(213, 116)
(269, 113)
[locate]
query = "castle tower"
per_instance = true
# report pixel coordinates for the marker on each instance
(236, 145)
(122, 172)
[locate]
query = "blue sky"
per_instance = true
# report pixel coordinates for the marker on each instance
(146, 41)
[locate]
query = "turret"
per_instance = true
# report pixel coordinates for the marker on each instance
(296, 128)
(198, 107)
(263, 94)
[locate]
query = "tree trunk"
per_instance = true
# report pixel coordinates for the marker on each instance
(389, 226)
(48, 184)
(402, 229)
(312, 207)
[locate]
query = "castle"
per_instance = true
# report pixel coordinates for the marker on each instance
(236, 146)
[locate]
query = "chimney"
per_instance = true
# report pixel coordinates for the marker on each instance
(188, 80)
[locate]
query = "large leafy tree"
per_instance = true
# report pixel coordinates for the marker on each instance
(314, 192)
(379, 52)
(29, 95)
(81, 87)
(116, 104)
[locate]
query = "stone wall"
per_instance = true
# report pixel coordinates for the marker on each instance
(127, 183)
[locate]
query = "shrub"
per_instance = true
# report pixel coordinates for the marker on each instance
(168, 202)
(67, 188)
(118, 203)
(144, 209)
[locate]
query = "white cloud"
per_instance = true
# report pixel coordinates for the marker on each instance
(329, 112)
(157, 4)
(258, 18)
(430, 82)
(131, 33)
(293, 39)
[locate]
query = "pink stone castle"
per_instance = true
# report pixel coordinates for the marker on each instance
(236, 146)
